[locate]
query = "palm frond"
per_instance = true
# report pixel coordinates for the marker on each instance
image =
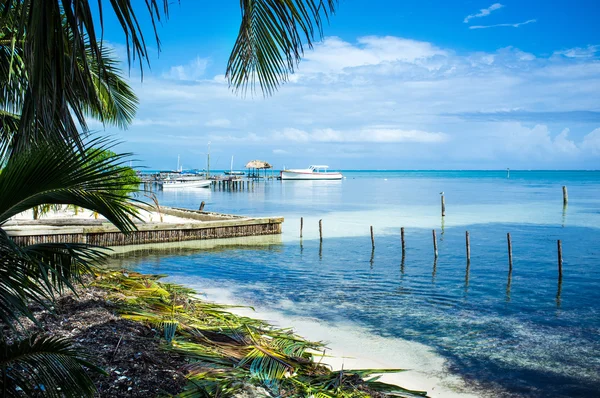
(54, 71)
(35, 273)
(45, 366)
(57, 173)
(270, 40)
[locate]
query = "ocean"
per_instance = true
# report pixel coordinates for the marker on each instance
(523, 333)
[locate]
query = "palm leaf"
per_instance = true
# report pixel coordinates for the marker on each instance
(45, 366)
(92, 87)
(59, 174)
(270, 40)
(33, 274)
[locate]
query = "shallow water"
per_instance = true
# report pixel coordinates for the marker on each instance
(522, 333)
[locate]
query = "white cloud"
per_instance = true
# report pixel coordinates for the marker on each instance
(591, 142)
(194, 70)
(510, 25)
(484, 12)
(280, 152)
(580, 52)
(370, 134)
(222, 123)
(335, 55)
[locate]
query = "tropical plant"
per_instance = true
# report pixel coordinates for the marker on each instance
(93, 88)
(42, 365)
(52, 173)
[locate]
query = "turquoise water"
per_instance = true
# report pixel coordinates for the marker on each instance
(523, 334)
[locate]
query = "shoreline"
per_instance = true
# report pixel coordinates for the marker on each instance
(349, 349)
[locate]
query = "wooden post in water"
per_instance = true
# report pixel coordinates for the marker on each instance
(435, 250)
(372, 239)
(565, 196)
(443, 206)
(560, 259)
(321, 230)
(202, 206)
(468, 241)
(509, 252)
(403, 242)
(301, 225)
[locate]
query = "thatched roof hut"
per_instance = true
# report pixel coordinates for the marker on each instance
(258, 164)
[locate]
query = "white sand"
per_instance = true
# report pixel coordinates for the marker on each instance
(83, 214)
(355, 347)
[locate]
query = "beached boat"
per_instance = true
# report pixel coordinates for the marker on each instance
(185, 183)
(312, 173)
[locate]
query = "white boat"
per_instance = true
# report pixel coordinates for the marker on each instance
(185, 183)
(312, 173)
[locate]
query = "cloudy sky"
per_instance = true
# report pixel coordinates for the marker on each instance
(439, 85)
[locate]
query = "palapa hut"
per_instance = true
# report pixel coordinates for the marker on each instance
(256, 166)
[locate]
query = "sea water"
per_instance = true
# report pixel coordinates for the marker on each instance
(523, 333)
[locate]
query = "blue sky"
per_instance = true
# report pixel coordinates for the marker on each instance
(394, 85)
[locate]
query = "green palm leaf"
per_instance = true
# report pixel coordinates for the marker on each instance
(59, 174)
(92, 87)
(44, 366)
(33, 274)
(270, 41)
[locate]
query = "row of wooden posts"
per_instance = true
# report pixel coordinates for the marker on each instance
(233, 185)
(564, 191)
(435, 248)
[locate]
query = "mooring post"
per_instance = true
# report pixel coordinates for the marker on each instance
(202, 206)
(372, 239)
(321, 230)
(565, 196)
(435, 250)
(468, 241)
(560, 259)
(403, 242)
(443, 206)
(301, 225)
(509, 252)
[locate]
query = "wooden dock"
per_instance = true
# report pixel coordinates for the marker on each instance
(199, 225)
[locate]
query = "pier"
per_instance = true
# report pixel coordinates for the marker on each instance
(182, 225)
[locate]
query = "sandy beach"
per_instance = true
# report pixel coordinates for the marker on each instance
(353, 347)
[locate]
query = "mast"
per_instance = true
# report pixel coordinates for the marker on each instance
(231, 168)
(208, 162)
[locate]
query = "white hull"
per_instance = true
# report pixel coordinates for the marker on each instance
(172, 184)
(305, 175)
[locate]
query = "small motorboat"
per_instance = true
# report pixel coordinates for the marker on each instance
(312, 173)
(185, 183)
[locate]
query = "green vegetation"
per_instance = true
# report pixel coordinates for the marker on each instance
(227, 352)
